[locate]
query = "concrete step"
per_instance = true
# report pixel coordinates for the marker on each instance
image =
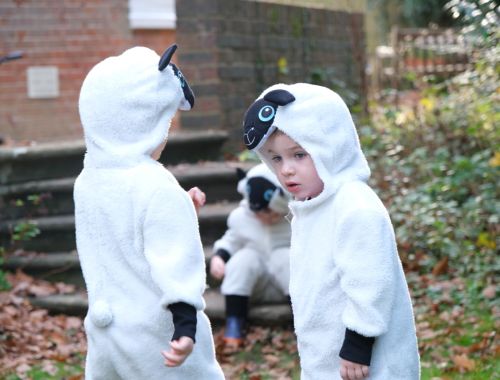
(263, 314)
(60, 266)
(55, 196)
(57, 233)
(55, 266)
(63, 160)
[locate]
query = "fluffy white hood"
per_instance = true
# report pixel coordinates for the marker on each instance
(126, 104)
(319, 120)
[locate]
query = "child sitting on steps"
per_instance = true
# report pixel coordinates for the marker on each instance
(252, 257)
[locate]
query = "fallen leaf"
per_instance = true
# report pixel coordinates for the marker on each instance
(490, 292)
(272, 360)
(463, 362)
(441, 267)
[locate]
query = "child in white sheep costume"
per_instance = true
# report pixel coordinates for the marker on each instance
(253, 255)
(352, 309)
(137, 229)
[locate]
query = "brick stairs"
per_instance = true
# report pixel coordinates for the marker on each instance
(36, 185)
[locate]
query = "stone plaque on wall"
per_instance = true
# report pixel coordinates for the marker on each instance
(43, 82)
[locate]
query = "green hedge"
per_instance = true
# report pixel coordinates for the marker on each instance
(436, 164)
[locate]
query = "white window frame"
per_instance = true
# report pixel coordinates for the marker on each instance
(152, 14)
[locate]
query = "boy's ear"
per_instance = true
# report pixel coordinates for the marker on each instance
(240, 173)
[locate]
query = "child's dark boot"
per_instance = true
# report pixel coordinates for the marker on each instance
(234, 335)
(236, 316)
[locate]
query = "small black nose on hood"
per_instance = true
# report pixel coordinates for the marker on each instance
(188, 93)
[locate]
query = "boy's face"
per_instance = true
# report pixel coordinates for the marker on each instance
(268, 216)
(293, 166)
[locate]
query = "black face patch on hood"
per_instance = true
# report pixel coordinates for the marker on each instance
(188, 93)
(164, 62)
(260, 117)
(260, 192)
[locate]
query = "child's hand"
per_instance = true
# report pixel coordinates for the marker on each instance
(179, 351)
(352, 371)
(217, 267)
(199, 198)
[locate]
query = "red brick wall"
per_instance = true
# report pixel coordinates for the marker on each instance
(229, 50)
(72, 35)
(232, 50)
(158, 40)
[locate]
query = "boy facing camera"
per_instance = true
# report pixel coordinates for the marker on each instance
(352, 310)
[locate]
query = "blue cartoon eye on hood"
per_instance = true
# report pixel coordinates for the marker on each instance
(260, 116)
(266, 113)
(188, 93)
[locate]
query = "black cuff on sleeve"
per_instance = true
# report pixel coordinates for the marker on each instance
(357, 348)
(224, 255)
(184, 317)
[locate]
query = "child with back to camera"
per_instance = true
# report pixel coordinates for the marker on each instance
(352, 310)
(137, 230)
(252, 257)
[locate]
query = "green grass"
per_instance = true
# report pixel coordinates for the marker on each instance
(467, 327)
(61, 371)
(488, 369)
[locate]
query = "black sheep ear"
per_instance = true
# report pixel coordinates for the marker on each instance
(240, 173)
(166, 57)
(279, 97)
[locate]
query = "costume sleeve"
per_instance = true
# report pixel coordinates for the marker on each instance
(173, 248)
(367, 257)
(223, 254)
(232, 241)
(184, 318)
(357, 348)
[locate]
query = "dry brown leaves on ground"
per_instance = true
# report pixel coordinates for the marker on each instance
(269, 351)
(29, 336)
(452, 335)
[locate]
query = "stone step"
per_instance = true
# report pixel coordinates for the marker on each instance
(57, 233)
(55, 196)
(63, 160)
(263, 314)
(60, 266)
(55, 266)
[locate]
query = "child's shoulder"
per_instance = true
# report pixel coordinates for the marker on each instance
(152, 179)
(357, 196)
(354, 190)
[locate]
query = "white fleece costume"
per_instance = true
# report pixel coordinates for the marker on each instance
(136, 228)
(260, 261)
(345, 269)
